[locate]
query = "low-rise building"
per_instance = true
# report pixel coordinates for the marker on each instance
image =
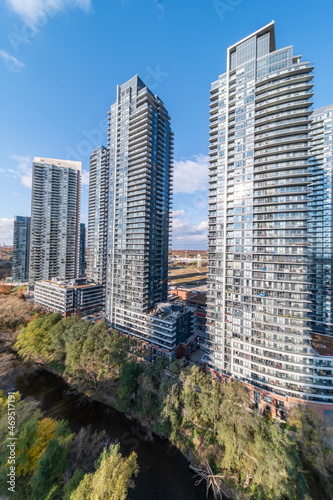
(162, 330)
(195, 300)
(68, 297)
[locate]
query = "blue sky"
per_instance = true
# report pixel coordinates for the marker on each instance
(60, 62)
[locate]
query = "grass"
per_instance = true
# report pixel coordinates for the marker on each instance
(191, 275)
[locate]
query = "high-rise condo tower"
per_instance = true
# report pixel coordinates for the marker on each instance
(259, 297)
(129, 217)
(21, 248)
(55, 219)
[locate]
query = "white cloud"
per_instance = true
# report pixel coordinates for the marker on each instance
(35, 11)
(187, 233)
(85, 178)
(24, 170)
(159, 8)
(191, 174)
(11, 62)
(178, 213)
(6, 231)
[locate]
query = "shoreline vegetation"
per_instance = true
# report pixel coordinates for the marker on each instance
(237, 453)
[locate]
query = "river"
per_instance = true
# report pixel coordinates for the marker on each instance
(164, 471)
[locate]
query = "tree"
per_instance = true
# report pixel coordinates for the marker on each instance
(176, 366)
(26, 438)
(14, 312)
(255, 454)
(44, 432)
(148, 403)
(26, 411)
(156, 369)
(171, 410)
(122, 349)
(20, 294)
(33, 437)
(196, 397)
(51, 468)
(74, 342)
(72, 484)
(210, 399)
(58, 336)
(111, 479)
(33, 341)
(236, 424)
(313, 442)
(234, 447)
(276, 468)
(5, 289)
(95, 352)
(129, 374)
(41, 449)
(86, 448)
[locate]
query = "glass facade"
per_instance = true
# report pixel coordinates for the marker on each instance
(82, 256)
(21, 248)
(259, 292)
(129, 220)
(321, 220)
(141, 145)
(55, 219)
(98, 215)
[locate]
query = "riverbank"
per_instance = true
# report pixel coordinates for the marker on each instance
(235, 452)
(164, 471)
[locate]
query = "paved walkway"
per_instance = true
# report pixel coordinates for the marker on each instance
(195, 356)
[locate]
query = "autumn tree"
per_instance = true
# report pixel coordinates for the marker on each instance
(112, 478)
(42, 446)
(5, 289)
(20, 294)
(14, 313)
(32, 441)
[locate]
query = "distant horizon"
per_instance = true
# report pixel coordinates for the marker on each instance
(170, 250)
